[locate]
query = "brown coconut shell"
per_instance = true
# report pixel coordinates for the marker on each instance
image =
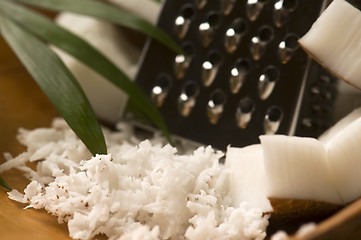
(289, 214)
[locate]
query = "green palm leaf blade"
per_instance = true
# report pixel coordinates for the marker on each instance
(106, 12)
(4, 184)
(57, 83)
(80, 49)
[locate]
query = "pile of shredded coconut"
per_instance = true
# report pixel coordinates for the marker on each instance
(140, 190)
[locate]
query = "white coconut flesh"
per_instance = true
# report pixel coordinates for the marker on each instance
(297, 168)
(245, 167)
(342, 143)
(288, 167)
(334, 40)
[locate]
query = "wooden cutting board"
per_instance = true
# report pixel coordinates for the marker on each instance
(22, 104)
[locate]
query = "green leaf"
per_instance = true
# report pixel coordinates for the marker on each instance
(70, 43)
(4, 184)
(56, 82)
(106, 12)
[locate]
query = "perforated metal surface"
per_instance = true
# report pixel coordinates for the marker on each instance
(244, 74)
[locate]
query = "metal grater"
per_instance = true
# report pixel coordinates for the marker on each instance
(243, 74)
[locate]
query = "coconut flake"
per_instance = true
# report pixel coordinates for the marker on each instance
(138, 191)
(17, 196)
(301, 233)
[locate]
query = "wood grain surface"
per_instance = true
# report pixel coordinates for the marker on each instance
(22, 104)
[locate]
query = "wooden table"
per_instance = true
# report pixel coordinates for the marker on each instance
(22, 104)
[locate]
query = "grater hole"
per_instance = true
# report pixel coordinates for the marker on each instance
(328, 95)
(307, 122)
(188, 49)
(214, 19)
(240, 26)
(273, 119)
(215, 106)
(288, 47)
(315, 90)
(182, 62)
(161, 89)
(187, 98)
(215, 58)
(316, 108)
(234, 34)
(254, 8)
(291, 41)
(183, 21)
(187, 11)
(243, 64)
(191, 89)
(246, 105)
(281, 11)
(259, 43)
(207, 29)
(266, 34)
(238, 74)
(272, 73)
(267, 82)
(290, 4)
(274, 114)
(210, 67)
(218, 97)
(325, 79)
(244, 112)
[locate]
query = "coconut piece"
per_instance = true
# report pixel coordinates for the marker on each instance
(297, 168)
(340, 126)
(149, 10)
(344, 156)
(334, 41)
(248, 180)
(107, 100)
